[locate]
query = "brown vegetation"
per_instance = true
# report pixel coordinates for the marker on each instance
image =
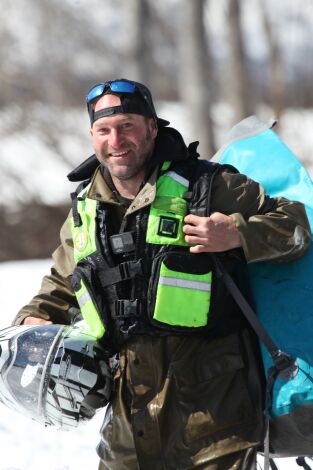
(31, 232)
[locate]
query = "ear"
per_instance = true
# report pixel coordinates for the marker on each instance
(153, 128)
(91, 131)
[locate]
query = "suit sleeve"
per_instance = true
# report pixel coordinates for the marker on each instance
(271, 229)
(56, 300)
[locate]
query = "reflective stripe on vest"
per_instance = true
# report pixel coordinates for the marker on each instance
(167, 212)
(89, 312)
(185, 284)
(179, 179)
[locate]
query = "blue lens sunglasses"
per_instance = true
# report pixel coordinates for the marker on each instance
(118, 86)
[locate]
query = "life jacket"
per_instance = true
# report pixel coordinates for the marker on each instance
(159, 287)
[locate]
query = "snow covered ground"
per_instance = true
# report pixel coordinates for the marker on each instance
(25, 444)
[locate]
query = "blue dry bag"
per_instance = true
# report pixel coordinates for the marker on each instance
(286, 311)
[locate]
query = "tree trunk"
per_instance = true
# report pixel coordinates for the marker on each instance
(275, 65)
(237, 75)
(139, 51)
(195, 74)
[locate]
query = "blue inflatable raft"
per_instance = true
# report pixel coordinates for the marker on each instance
(286, 311)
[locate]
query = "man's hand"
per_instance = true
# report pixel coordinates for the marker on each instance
(36, 321)
(211, 234)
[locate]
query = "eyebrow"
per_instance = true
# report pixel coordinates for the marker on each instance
(125, 117)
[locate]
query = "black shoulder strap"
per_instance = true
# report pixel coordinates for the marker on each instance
(302, 463)
(74, 197)
(280, 359)
(284, 365)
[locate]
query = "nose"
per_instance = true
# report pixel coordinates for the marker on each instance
(115, 138)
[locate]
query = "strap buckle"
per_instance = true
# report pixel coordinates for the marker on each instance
(285, 365)
(127, 308)
(129, 269)
(121, 272)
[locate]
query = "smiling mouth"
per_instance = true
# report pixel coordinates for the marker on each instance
(119, 154)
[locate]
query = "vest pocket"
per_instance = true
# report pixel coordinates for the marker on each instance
(181, 287)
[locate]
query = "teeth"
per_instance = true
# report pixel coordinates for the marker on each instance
(119, 154)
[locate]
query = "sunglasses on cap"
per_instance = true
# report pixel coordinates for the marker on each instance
(127, 87)
(117, 86)
(120, 86)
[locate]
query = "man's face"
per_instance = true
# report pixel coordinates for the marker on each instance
(122, 142)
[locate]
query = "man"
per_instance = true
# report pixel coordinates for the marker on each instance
(138, 255)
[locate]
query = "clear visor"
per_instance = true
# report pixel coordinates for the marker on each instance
(27, 357)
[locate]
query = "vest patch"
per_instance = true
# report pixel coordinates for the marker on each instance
(81, 241)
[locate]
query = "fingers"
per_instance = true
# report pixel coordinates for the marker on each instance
(196, 232)
(215, 233)
(192, 219)
(198, 226)
(197, 249)
(195, 240)
(36, 321)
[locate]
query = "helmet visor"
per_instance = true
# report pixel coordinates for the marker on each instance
(52, 373)
(22, 383)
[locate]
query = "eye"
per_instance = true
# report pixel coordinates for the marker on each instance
(102, 130)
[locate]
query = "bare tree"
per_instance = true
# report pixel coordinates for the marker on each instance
(195, 73)
(275, 63)
(237, 76)
(138, 49)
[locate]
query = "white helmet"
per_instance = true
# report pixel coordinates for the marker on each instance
(59, 375)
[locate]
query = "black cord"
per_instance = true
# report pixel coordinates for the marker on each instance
(302, 463)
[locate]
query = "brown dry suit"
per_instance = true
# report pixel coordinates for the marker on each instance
(184, 401)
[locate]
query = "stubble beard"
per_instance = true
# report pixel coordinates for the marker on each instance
(145, 153)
